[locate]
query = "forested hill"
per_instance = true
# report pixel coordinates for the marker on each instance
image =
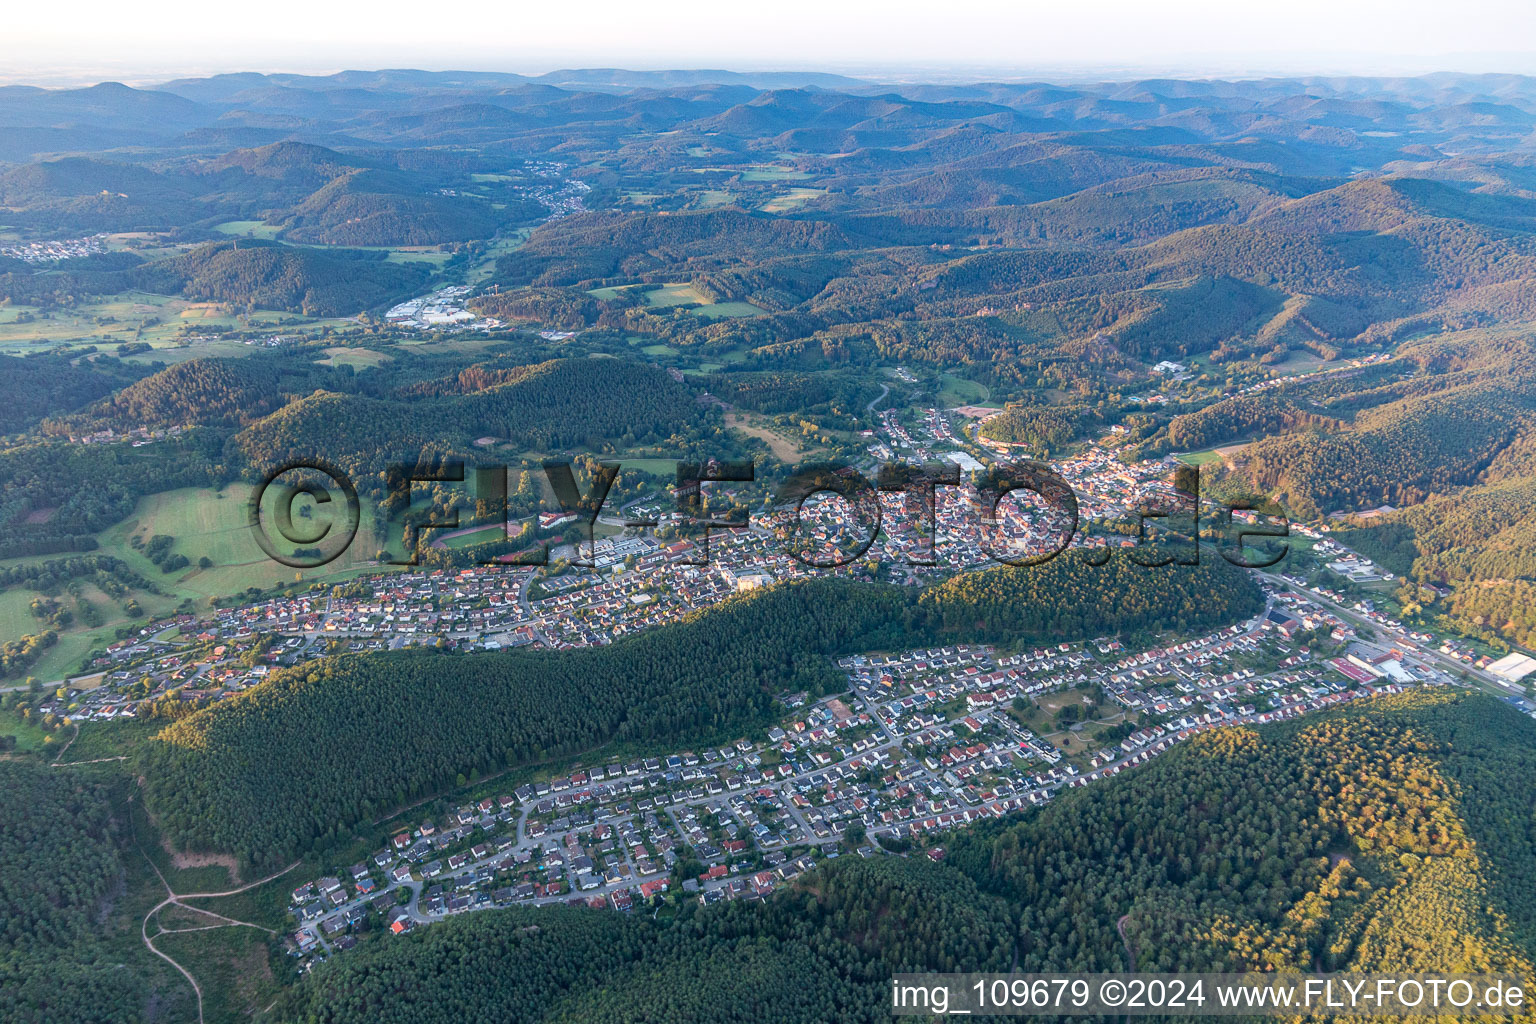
(338, 282)
(312, 752)
(1395, 834)
(198, 392)
(554, 405)
(369, 207)
(250, 273)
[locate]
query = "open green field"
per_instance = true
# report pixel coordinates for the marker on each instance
(405, 253)
(960, 391)
(793, 199)
(728, 309)
(449, 343)
(682, 293)
(357, 358)
(248, 228)
(499, 247)
(760, 172)
(63, 658)
(205, 524)
(30, 735)
(609, 293)
(1199, 458)
(676, 294)
(397, 254)
(431, 256)
(773, 172)
(483, 535)
(213, 524)
(784, 448)
(162, 321)
(709, 198)
(180, 353)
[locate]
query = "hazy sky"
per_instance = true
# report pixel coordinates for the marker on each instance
(60, 40)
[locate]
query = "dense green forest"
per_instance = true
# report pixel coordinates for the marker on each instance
(1398, 454)
(44, 385)
(266, 773)
(377, 207)
(806, 394)
(1043, 429)
(1394, 834)
(59, 873)
(271, 276)
(822, 952)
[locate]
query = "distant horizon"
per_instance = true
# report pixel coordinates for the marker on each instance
(75, 41)
(884, 74)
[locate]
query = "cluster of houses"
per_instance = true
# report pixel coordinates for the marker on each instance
(135, 436)
(53, 250)
(923, 741)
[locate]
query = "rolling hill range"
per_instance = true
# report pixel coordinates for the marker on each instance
(1342, 268)
(788, 780)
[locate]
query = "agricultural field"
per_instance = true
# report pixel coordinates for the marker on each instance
(248, 228)
(792, 200)
(709, 198)
(656, 467)
(161, 321)
(760, 172)
(357, 358)
(684, 294)
(456, 539)
(499, 246)
(677, 294)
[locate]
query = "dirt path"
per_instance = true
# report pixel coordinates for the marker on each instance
(1130, 953)
(174, 898)
(72, 737)
(783, 449)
